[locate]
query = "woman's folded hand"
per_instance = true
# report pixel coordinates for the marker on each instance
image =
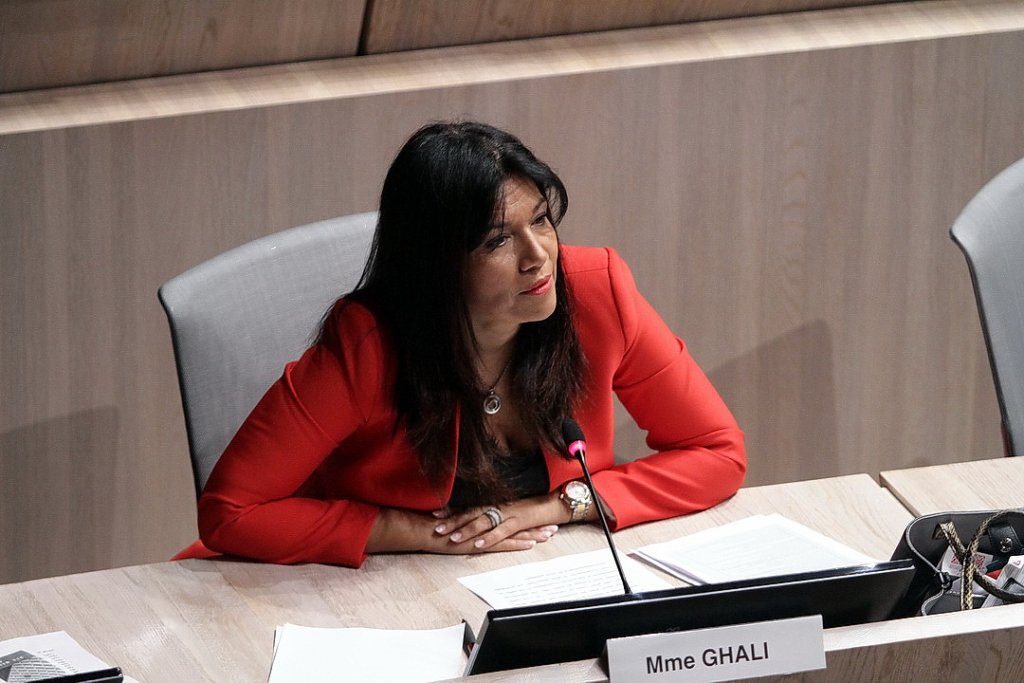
(516, 525)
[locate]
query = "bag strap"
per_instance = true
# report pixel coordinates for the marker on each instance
(970, 573)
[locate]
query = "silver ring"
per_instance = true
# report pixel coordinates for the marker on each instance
(494, 516)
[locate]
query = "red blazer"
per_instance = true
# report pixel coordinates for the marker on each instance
(305, 475)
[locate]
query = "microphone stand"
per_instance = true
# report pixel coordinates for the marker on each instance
(581, 454)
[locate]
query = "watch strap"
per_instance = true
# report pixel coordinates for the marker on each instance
(579, 510)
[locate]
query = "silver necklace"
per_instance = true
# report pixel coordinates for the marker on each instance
(492, 402)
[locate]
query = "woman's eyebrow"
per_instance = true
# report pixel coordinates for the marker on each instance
(501, 226)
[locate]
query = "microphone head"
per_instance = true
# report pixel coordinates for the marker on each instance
(571, 431)
(574, 441)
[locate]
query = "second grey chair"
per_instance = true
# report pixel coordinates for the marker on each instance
(990, 231)
(237, 319)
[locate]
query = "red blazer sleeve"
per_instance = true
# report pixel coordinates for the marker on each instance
(253, 504)
(698, 456)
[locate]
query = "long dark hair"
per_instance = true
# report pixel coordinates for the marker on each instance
(437, 204)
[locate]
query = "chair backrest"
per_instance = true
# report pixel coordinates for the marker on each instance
(990, 231)
(237, 319)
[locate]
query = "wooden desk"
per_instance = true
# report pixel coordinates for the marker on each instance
(214, 620)
(979, 485)
(984, 646)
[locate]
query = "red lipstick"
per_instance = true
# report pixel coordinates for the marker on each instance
(542, 287)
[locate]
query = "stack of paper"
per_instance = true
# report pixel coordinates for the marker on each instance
(310, 655)
(755, 547)
(570, 577)
(51, 656)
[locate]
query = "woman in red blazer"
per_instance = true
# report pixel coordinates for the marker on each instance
(427, 417)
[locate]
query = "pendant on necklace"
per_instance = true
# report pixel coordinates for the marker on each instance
(492, 403)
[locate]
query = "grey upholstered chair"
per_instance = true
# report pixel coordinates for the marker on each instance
(990, 231)
(239, 317)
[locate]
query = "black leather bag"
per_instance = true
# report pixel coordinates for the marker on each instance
(925, 541)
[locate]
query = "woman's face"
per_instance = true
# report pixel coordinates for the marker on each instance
(510, 278)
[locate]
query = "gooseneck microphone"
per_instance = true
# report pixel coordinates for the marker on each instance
(577, 445)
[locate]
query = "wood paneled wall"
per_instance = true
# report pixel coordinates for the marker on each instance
(394, 25)
(786, 209)
(57, 43)
(52, 43)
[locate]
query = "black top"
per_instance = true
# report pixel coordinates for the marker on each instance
(525, 472)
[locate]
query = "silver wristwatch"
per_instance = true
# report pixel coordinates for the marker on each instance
(578, 497)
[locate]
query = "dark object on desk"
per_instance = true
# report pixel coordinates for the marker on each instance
(112, 675)
(925, 541)
(567, 631)
(990, 231)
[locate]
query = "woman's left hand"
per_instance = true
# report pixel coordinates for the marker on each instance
(528, 519)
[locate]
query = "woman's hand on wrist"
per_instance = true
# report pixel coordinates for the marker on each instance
(523, 524)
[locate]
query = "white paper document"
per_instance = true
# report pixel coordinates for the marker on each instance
(306, 654)
(758, 546)
(570, 577)
(46, 655)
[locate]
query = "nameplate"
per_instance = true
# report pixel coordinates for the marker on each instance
(724, 653)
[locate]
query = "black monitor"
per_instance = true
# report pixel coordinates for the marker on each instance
(568, 631)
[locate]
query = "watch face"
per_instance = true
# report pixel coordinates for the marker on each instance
(577, 491)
